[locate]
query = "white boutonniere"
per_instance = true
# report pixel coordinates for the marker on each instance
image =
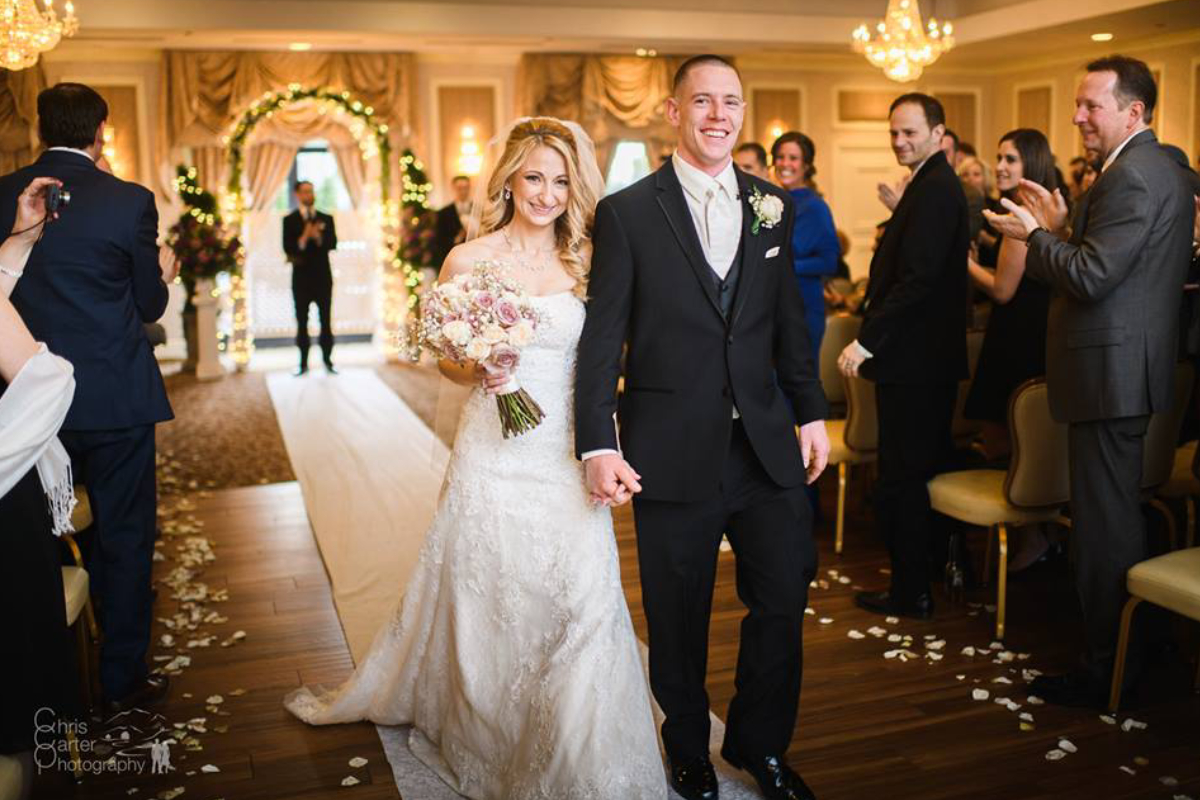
(768, 210)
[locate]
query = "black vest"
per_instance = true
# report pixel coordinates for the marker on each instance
(727, 288)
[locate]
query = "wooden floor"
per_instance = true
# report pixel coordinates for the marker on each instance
(869, 727)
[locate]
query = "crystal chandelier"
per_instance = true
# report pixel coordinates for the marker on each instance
(899, 45)
(29, 31)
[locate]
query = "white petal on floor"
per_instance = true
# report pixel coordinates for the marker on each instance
(979, 694)
(1055, 755)
(1068, 745)
(358, 761)
(350, 780)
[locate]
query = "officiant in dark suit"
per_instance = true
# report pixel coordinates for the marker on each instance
(308, 236)
(692, 279)
(1117, 276)
(913, 345)
(452, 220)
(90, 284)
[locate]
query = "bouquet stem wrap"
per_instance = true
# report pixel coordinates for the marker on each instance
(519, 412)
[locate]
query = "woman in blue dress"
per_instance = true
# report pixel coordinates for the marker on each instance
(815, 247)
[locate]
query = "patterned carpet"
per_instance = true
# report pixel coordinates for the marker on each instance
(224, 435)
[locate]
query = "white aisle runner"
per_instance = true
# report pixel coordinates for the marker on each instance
(370, 471)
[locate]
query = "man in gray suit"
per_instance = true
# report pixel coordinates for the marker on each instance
(1112, 338)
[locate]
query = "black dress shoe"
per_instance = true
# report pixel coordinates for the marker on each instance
(1073, 690)
(920, 607)
(775, 779)
(329, 368)
(150, 691)
(694, 779)
(301, 370)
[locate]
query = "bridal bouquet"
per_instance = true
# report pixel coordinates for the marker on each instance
(484, 317)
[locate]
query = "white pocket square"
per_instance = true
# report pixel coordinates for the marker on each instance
(774, 251)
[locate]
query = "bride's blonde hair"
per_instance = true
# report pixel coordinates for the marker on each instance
(573, 228)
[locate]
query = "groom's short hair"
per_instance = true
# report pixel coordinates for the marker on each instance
(699, 61)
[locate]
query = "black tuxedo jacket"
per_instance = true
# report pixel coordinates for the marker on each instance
(446, 232)
(915, 317)
(90, 284)
(1114, 316)
(652, 289)
(312, 261)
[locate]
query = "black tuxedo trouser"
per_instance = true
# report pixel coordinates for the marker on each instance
(305, 292)
(118, 469)
(914, 445)
(1108, 531)
(770, 530)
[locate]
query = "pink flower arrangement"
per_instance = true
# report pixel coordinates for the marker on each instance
(486, 318)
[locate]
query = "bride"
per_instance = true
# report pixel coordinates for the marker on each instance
(512, 653)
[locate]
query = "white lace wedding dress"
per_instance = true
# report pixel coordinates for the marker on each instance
(512, 653)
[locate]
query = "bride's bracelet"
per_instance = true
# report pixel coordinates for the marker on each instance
(12, 273)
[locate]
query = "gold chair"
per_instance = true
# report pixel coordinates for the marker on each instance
(1183, 485)
(840, 330)
(853, 440)
(80, 614)
(12, 778)
(1162, 436)
(1171, 581)
(962, 429)
(1033, 489)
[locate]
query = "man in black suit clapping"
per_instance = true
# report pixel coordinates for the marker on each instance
(912, 344)
(452, 220)
(90, 284)
(308, 236)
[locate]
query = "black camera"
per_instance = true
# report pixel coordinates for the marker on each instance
(56, 198)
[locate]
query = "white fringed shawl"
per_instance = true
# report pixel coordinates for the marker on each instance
(31, 412)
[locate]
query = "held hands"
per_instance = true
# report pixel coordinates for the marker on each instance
(611, 481)
(31, 209)
(814, 448)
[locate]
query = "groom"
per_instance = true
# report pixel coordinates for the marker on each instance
(692, 272)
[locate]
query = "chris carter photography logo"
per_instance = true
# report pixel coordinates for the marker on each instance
(133, 742)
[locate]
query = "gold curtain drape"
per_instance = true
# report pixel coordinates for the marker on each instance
(614, 98)
(18, 116)
(290, 128)
(205, 92)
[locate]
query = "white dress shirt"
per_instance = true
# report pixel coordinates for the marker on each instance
(716, 211)
(74, 150)
(1117, 150)
(717, 214)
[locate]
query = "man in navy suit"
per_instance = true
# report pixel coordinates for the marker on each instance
(91, 283)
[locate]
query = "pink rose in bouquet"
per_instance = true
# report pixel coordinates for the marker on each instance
(487, 318)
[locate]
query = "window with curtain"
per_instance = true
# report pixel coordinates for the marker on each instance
(315, 163)
(630, 163)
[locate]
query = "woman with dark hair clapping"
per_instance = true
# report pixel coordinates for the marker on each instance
(815, 247)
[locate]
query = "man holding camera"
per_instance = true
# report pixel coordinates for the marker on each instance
(91, 282)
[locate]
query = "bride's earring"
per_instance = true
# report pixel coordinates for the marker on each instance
(507, 193)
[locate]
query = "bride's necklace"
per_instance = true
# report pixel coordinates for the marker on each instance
(519, 255)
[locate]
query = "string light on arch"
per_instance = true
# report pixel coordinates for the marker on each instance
(372, 138)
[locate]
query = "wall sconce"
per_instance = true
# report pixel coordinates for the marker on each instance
(109, 151)
(470, 158)
(775, 129)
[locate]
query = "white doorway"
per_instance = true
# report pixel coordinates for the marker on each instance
(861, 162)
